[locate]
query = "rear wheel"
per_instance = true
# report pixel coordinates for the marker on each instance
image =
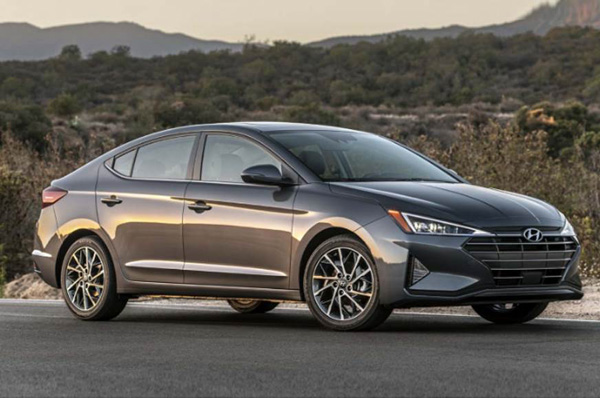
(341, 286)
(88, 281)
(249, 306)
(510, 313)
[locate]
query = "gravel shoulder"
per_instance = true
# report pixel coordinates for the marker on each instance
(30, 286)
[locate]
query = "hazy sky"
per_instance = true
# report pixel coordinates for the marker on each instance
(299, 20)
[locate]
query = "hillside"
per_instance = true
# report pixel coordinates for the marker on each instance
(585, 13)
(22, 41)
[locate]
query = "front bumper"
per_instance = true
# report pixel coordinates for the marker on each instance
(494, 296)
(455, 278)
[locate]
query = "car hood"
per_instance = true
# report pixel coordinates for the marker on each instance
(467, 204)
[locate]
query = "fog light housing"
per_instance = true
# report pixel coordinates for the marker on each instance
(418, 271)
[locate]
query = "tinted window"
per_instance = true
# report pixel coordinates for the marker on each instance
(355, 156)
(226, 157)
(123, 163)
(165, 160)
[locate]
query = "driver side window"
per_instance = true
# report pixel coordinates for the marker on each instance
(227, 156)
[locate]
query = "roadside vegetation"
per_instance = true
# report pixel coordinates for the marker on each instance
(2, 275)
(518, 113)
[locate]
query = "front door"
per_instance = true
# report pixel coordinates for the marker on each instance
(236, 234)
(139, 202)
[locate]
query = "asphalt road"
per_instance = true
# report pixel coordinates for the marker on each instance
(182, 351)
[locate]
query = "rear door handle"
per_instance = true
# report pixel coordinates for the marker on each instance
(112, 201)
(200, 207)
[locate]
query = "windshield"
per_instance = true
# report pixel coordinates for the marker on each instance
(338, 156)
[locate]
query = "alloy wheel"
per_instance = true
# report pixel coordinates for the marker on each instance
(85, 281)
(342, 284)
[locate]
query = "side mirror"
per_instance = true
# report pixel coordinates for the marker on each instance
(265, 174)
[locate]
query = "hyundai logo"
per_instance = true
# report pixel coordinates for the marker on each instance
(533, 235)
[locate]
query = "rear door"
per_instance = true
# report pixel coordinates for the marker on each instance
(235, 233)
(139, 201)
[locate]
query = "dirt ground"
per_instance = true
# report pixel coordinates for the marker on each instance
(31, 286)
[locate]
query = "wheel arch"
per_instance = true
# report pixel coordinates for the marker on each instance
(68, 241)
(315, 241)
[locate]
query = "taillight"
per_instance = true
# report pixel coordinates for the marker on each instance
(51, 195)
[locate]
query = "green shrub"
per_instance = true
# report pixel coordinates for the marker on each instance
(312, 113)
(186, 112)
(65, 105)
(28, 122)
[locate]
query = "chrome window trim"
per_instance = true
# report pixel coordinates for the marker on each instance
(244, 184)
(142, 179)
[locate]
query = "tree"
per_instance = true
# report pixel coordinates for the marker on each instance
(121, 51)
(70, 53)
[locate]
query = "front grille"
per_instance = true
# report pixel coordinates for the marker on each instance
(514, 261)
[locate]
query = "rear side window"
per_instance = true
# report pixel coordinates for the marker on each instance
(165, 160)
(124, 163)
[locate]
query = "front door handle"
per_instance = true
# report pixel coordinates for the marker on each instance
(111, 201)
(200, 207)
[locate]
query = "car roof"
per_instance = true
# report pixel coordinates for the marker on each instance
(267, 127)
(258, 127)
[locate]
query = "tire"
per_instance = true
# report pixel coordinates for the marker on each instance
(322, 294)
(101, 302)
(249, 306)
(518, 313)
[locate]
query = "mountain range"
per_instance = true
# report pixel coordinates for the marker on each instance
(540, 21)
(23, 41)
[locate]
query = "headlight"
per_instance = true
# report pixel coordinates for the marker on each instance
(568, 229)
(414, 224)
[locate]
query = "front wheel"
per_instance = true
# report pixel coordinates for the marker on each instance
(341, 286)
(507, 314)
(89, 284)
